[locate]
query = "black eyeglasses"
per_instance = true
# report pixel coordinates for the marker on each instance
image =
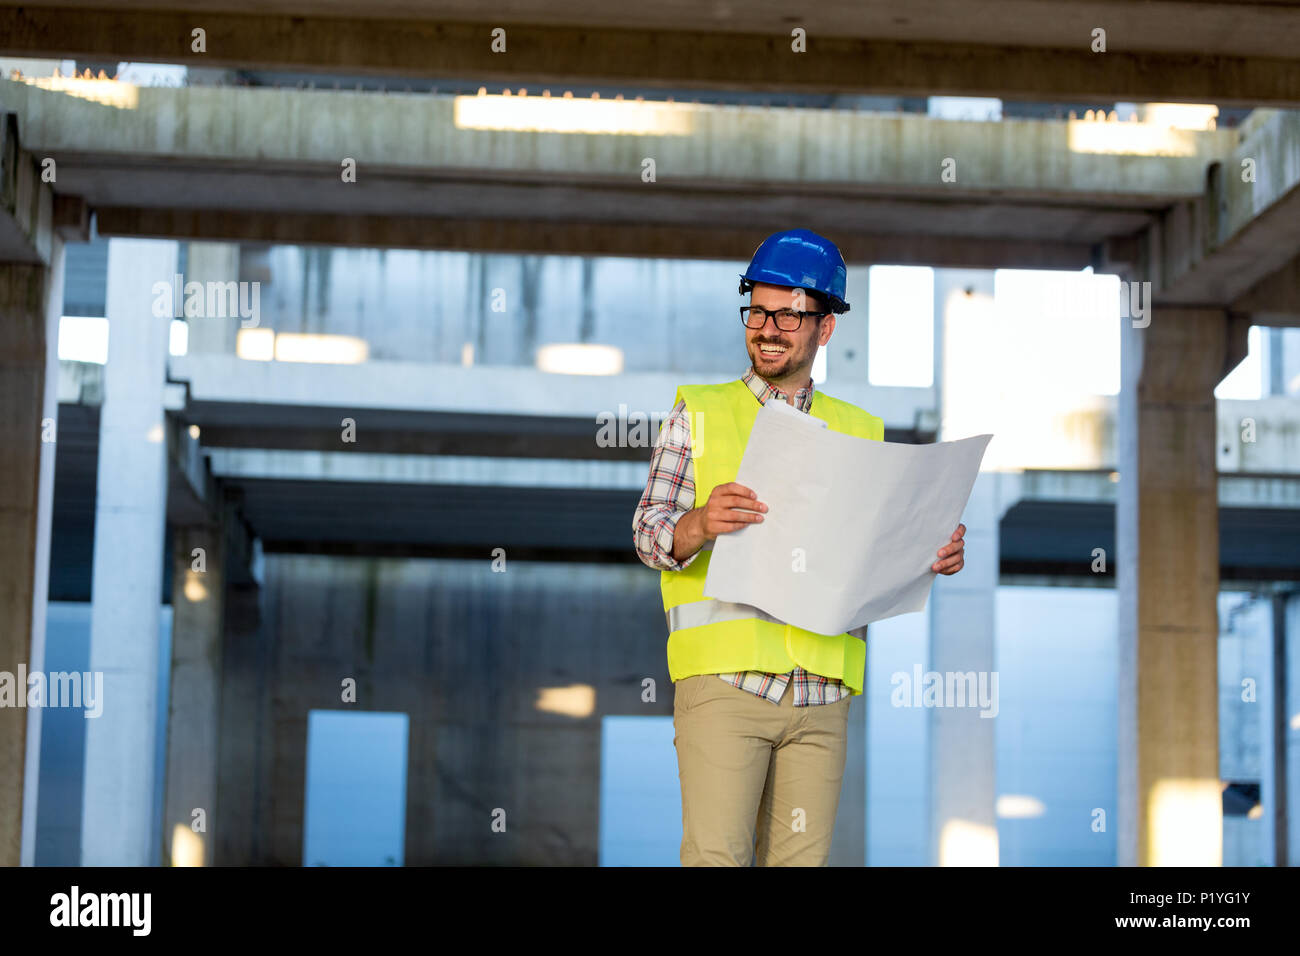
(787, 320)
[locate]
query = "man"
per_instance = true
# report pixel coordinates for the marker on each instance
(760, 768)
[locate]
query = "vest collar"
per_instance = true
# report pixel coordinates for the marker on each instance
(763, 390)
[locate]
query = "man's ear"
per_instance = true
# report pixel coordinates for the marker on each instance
(825, 328)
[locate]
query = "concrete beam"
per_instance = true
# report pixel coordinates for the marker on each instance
(234, 464)
(26, 203)
(545, 139)
(1275, 299)
(571, 238)
(701, 59)
(1278, 491)
(478, 410)
(398, 393)
(163, 162)
(71, 218)
(1244, 228)
(192, 497)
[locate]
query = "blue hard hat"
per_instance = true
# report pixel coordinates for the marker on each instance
(799, 259)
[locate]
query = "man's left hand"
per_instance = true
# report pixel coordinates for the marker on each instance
(953, 554)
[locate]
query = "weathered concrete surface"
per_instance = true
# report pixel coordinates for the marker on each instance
(249, 164)
(1169, 805)
(31, 300)
(212, 262)
(219, 126)
(1237, 244)
(118, 820)
(1198, 51)
(483, 735)
(963, 624)
(194, 707)
(635, 239)
(244, 795)
(26, 203)
(380, 387)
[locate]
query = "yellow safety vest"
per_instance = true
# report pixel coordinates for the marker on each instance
(707, 636)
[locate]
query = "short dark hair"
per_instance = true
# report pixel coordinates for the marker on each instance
(815, 299)
(816, 302)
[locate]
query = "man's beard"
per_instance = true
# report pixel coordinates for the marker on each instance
(777, 366)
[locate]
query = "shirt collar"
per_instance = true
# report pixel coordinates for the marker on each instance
(763, 390)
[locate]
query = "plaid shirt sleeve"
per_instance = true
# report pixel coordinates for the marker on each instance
(669, 494)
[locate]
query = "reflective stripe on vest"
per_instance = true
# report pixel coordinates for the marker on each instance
(709, 611)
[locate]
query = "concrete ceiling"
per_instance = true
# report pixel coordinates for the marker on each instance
(263, 165)
(1263, 28)
(1222, 51)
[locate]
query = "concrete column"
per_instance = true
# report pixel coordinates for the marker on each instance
(212, 262)
(194, 711)
(963, 782)
(1273, 736)
(130, 514)
(963, 779)
(1170, 805)
(846, 353)
(849, 841)
(846, 361)
(31, 300)
(244, 790)
(1291, 764)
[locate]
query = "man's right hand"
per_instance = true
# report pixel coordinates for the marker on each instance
(720, 514)
(722, 511)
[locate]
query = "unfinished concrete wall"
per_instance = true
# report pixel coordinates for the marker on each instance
(505, 678)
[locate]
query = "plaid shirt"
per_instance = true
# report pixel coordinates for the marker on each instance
(670, 493)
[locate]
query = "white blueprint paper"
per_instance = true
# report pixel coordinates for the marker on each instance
(853, 525)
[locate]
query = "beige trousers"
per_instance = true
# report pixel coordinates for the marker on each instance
(760, 781)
